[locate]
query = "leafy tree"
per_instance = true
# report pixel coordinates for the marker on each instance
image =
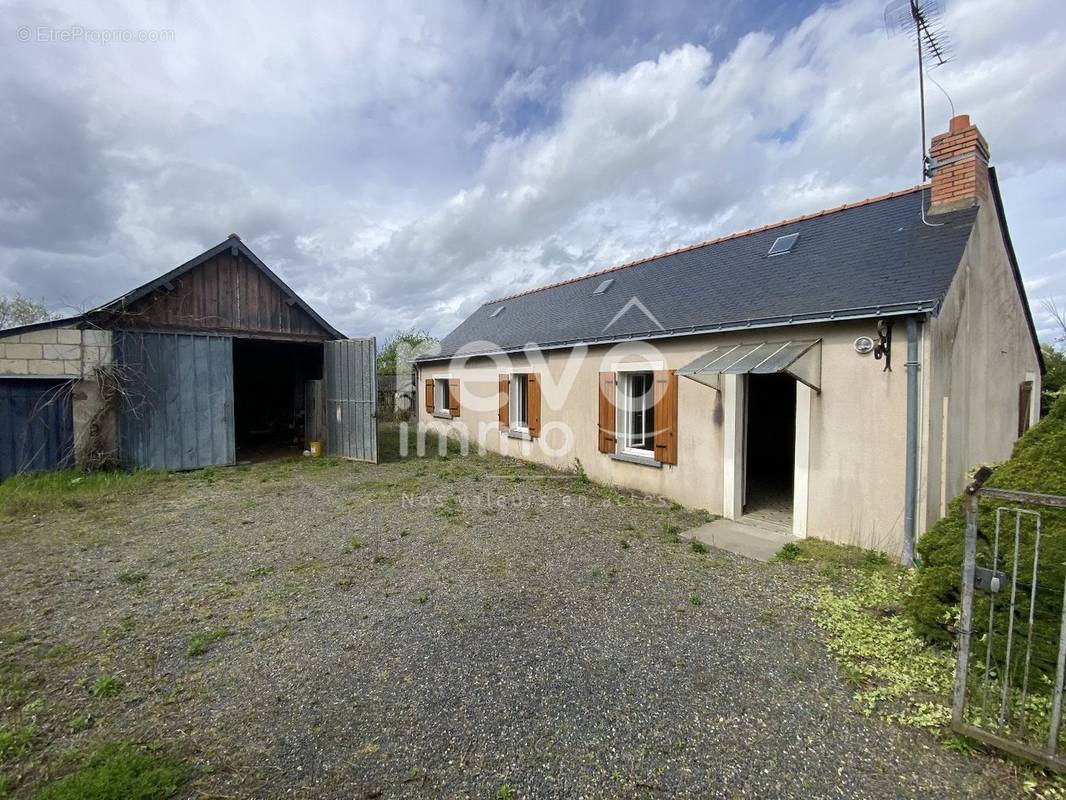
(19, 310)
(1054, 382)
(404, 346)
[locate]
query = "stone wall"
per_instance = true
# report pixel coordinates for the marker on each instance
(69, 353)
(59, 352)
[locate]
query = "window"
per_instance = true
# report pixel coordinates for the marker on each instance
(441, 399)
(603, 287)
(636, 413)
(518, 403)
(783, 244)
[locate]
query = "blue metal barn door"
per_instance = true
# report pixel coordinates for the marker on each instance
(177, 412)
(351, 399)
(36, 425)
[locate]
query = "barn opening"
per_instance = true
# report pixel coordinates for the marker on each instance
(771, 447)
(269, 390)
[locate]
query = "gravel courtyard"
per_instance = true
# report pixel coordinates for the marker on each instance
(431, 627)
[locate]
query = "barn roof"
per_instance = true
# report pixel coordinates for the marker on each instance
(867, 259)
(129, 298)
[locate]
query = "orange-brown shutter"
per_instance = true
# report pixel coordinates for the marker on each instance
(505, 402)
(666, 416)
(429, 395)
(453, 396)
(533, 404)
(608, 382)
(1025, 396)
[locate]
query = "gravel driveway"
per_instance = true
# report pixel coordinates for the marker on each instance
(459, 627)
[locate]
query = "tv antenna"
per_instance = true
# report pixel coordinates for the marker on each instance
(921, 20)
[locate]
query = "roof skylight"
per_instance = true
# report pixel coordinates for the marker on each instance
(497, 312)
(783, 244)
(603, 287)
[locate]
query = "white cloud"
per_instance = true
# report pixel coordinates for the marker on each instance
(380, 157)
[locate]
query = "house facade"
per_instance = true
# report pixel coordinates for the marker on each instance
(831, 376)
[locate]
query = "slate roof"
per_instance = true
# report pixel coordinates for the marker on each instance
(867, 259)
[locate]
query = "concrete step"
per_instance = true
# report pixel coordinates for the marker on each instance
(743, 538)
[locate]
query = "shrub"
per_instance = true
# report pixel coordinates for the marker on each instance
(1037, 465)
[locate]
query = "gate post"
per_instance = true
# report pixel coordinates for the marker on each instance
(969, 561)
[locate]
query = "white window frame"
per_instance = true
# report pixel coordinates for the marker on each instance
(518, 402)
(627, 405)
(441, 392)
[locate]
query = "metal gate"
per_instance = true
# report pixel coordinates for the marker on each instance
(177, 409)
(1009, 674)
(36, 425)
(351, 396)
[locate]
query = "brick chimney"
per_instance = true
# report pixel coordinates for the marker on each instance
(960, 167)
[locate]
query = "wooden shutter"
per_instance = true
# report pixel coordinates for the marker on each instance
(533, 404)
(1025, 397)
(453, 396)
(666, 416)
(505, 402)
(429, 395)
(608, 416)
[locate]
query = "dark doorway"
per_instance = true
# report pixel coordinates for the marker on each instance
(268, 395)
(770, 458)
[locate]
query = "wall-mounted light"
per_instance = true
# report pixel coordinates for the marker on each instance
(864, 345)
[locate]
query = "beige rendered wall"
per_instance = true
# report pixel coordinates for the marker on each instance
(979, 351)
(857, 430)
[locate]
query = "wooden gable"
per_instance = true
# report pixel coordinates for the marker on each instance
(227, 292)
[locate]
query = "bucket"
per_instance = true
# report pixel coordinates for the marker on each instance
(316, 449)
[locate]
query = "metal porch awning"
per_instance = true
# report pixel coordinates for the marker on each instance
(800, 359)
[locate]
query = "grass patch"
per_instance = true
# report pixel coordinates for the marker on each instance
(13, 636)
(16, 742)
(119, 771)
(790, 551)
(201, 642)
(698, 546)
(831, 558)
(40, 492)
(15, 683)
(106, 686)
(132, 578)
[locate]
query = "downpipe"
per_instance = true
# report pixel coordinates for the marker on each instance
(910, 501)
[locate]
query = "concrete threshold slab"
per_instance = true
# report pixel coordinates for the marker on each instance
(743, 538)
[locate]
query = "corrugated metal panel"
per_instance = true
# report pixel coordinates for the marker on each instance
(801, 359)
(178, 410)
(36, 425)
(351, 396)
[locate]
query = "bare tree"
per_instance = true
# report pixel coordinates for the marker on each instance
(1058, 317)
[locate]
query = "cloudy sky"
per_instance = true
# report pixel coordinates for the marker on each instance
(399, 164)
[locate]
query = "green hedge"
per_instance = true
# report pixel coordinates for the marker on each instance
(1038, 464)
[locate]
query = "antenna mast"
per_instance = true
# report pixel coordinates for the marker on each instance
(920, 19)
